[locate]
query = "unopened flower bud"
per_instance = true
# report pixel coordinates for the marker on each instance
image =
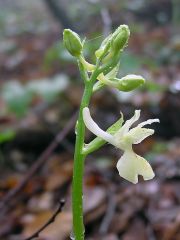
(105, 45)
(127, 83)
(120, 38)
(72, 42)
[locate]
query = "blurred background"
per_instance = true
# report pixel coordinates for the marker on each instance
(40, 94)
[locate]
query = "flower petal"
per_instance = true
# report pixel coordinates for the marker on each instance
(138, 134)
(130, 165)
(94, 128)
(148, 122)
(125, 128)
(130, 122)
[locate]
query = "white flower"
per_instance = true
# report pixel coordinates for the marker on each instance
(130, 165)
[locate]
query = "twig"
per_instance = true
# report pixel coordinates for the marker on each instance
(109, 213)
(107, 23)
(59, 12)
(39, 162)
(51, 220)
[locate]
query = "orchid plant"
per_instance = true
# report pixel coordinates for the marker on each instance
(97, 76)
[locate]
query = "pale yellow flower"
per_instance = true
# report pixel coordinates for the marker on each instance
(130, 165)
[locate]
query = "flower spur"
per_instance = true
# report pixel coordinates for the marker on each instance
(130, 165)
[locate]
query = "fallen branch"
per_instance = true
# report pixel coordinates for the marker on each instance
(51, 220)
(40, 161)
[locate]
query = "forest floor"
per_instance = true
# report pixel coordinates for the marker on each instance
(37, 138)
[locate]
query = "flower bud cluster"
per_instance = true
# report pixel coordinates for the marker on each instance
(110, 49)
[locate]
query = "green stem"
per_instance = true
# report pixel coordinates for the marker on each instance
(79, 157)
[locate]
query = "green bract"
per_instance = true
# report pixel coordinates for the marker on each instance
(72, 42)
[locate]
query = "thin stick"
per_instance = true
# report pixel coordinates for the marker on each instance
(51, 220)
(40, 161)
(107, 23)
(109, 213)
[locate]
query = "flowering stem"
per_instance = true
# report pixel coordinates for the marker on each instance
(79, 157)
(77, 202)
